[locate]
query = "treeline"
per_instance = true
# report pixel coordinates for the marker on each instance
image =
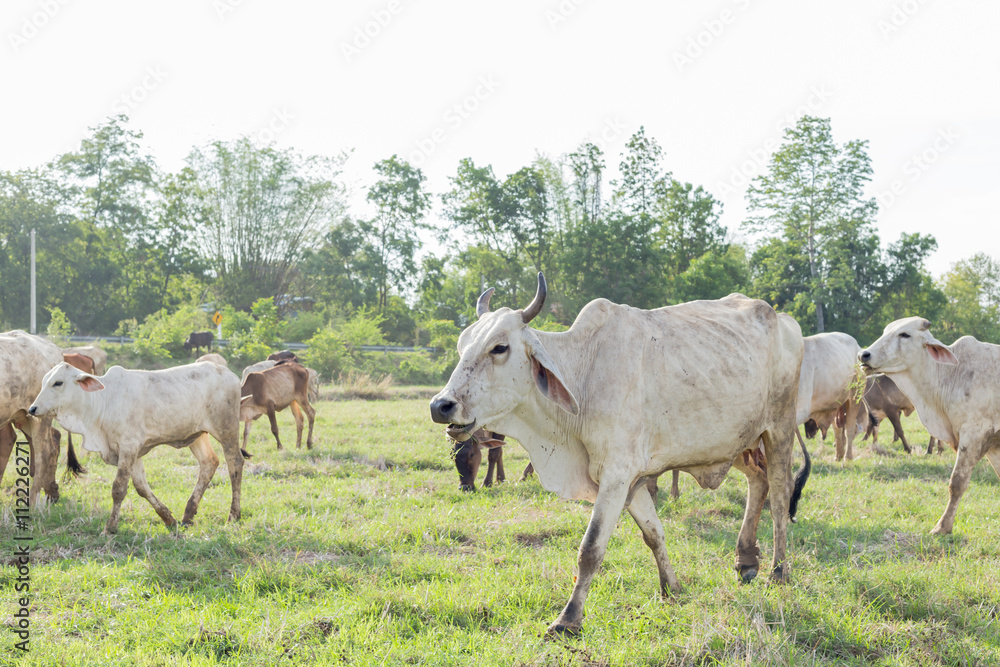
(123, 244)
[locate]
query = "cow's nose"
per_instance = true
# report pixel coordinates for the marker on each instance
(32, 410)
(864, 355)
(442, 409)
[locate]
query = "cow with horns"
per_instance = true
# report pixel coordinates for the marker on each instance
(626, 394)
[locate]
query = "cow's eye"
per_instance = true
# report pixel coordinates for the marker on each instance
(499, 349)
(58, 383)
(904, 335)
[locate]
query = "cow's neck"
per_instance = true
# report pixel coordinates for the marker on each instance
(924, 385)
(87, 418)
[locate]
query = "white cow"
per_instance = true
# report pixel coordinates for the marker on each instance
(955, 389)
(829, 365)
(215, 358)
(626, 394)
(99, 356)
(24, 361)
(125, 413)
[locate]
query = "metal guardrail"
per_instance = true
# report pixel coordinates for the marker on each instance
(223, 342)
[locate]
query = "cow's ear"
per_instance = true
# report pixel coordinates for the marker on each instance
(940, 353)
(547, 377)
(88, 382)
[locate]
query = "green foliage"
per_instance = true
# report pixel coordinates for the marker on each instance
(302, 327)
(364, 328)
(59, 329)
(163, 334)
(327, 353)
(266, 324)
(972, 289)
(235, 322)
(245, 349)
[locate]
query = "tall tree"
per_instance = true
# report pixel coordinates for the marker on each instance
(812, 197)
(259, 209)
(392, 234)
(972, 287)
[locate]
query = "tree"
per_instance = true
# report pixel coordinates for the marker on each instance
(392, 234)
(812, 197)
(258, 211)
(972, 287)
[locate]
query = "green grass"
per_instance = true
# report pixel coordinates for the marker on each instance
(363, 551)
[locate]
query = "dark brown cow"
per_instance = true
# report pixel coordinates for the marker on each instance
(284, 355)
(886, 401)
(197, 340)
(271, 390)
(468, 452)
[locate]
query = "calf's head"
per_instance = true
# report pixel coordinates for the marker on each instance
(904, 344)
(63, 386)
(501, 363)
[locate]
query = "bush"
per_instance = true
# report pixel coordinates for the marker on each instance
(327, 354)
(302, 327)
(59, 329)
(162, 335)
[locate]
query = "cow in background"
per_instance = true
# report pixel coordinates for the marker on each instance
(825, 398)
(284, 355)
(885, 401)
(214, 358)
(626, 394)
(264, 365)
(197, 340)
(273, 389)
(99, 356)
(467, 449)
(954, 389)
(124, 414)
(24, 361)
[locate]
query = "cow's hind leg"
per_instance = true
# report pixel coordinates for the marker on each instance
(897, 430)
(7, 440)
(142, 488)
(207, 464)
(643, 510)
(274, 423)
(494, 458)
(234, 462)
(311, 415)
(747, 551)
(607, 508)
(778, 447)
(246, 434)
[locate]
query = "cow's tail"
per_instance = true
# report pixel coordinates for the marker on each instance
(246, 454)
(799, 481)
(73, 464)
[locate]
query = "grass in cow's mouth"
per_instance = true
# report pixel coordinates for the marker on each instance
(364, 551)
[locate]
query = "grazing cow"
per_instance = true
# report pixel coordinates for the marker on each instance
(99, 356)
(284, 355)
(126, 413)
(626, 394)
(199, 339)
(24, 361)
(214, 358)
(954, 389)
(273, 389)
(825, 399)
(884, 400)
(468, 452)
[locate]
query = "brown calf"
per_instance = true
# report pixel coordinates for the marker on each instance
(271, 390)
(469, 455)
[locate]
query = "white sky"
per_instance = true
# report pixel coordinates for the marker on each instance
(913, 78)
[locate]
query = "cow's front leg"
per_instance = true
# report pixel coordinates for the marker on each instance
(607, 508)
(272, 417)
(118, 489)
(234, 462)
(643, 510)
(970, 450)
(143, 489)
(246, 433)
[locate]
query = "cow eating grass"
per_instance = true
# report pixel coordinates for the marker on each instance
(626, 394)
(955, 390)
(124, 414)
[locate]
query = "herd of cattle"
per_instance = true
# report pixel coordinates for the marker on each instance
(603, 409)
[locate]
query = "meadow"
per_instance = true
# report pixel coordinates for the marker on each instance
(363, 551)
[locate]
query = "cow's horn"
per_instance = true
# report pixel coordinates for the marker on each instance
(536, 304)
(925, 325)
(483, 305)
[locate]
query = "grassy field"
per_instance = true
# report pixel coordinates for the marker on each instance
(363, 551)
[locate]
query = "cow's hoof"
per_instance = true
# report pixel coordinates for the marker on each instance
(780, 575)
(940, 530)
(748, 575)
(109, 532)
(560, 629)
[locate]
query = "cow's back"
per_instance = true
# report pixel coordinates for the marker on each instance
(172, 404)
(701, 379)
(24, 361)
(970, 391)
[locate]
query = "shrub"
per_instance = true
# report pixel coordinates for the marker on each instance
(59, 329)
(162, 335)
(245, 349)
(302, 327)
(327, 354)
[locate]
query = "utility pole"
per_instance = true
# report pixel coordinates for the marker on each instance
(34, 325)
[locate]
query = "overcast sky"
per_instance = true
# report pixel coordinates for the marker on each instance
(715, 82)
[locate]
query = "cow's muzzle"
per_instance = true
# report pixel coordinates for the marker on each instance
(442, 410)
(33, 410)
